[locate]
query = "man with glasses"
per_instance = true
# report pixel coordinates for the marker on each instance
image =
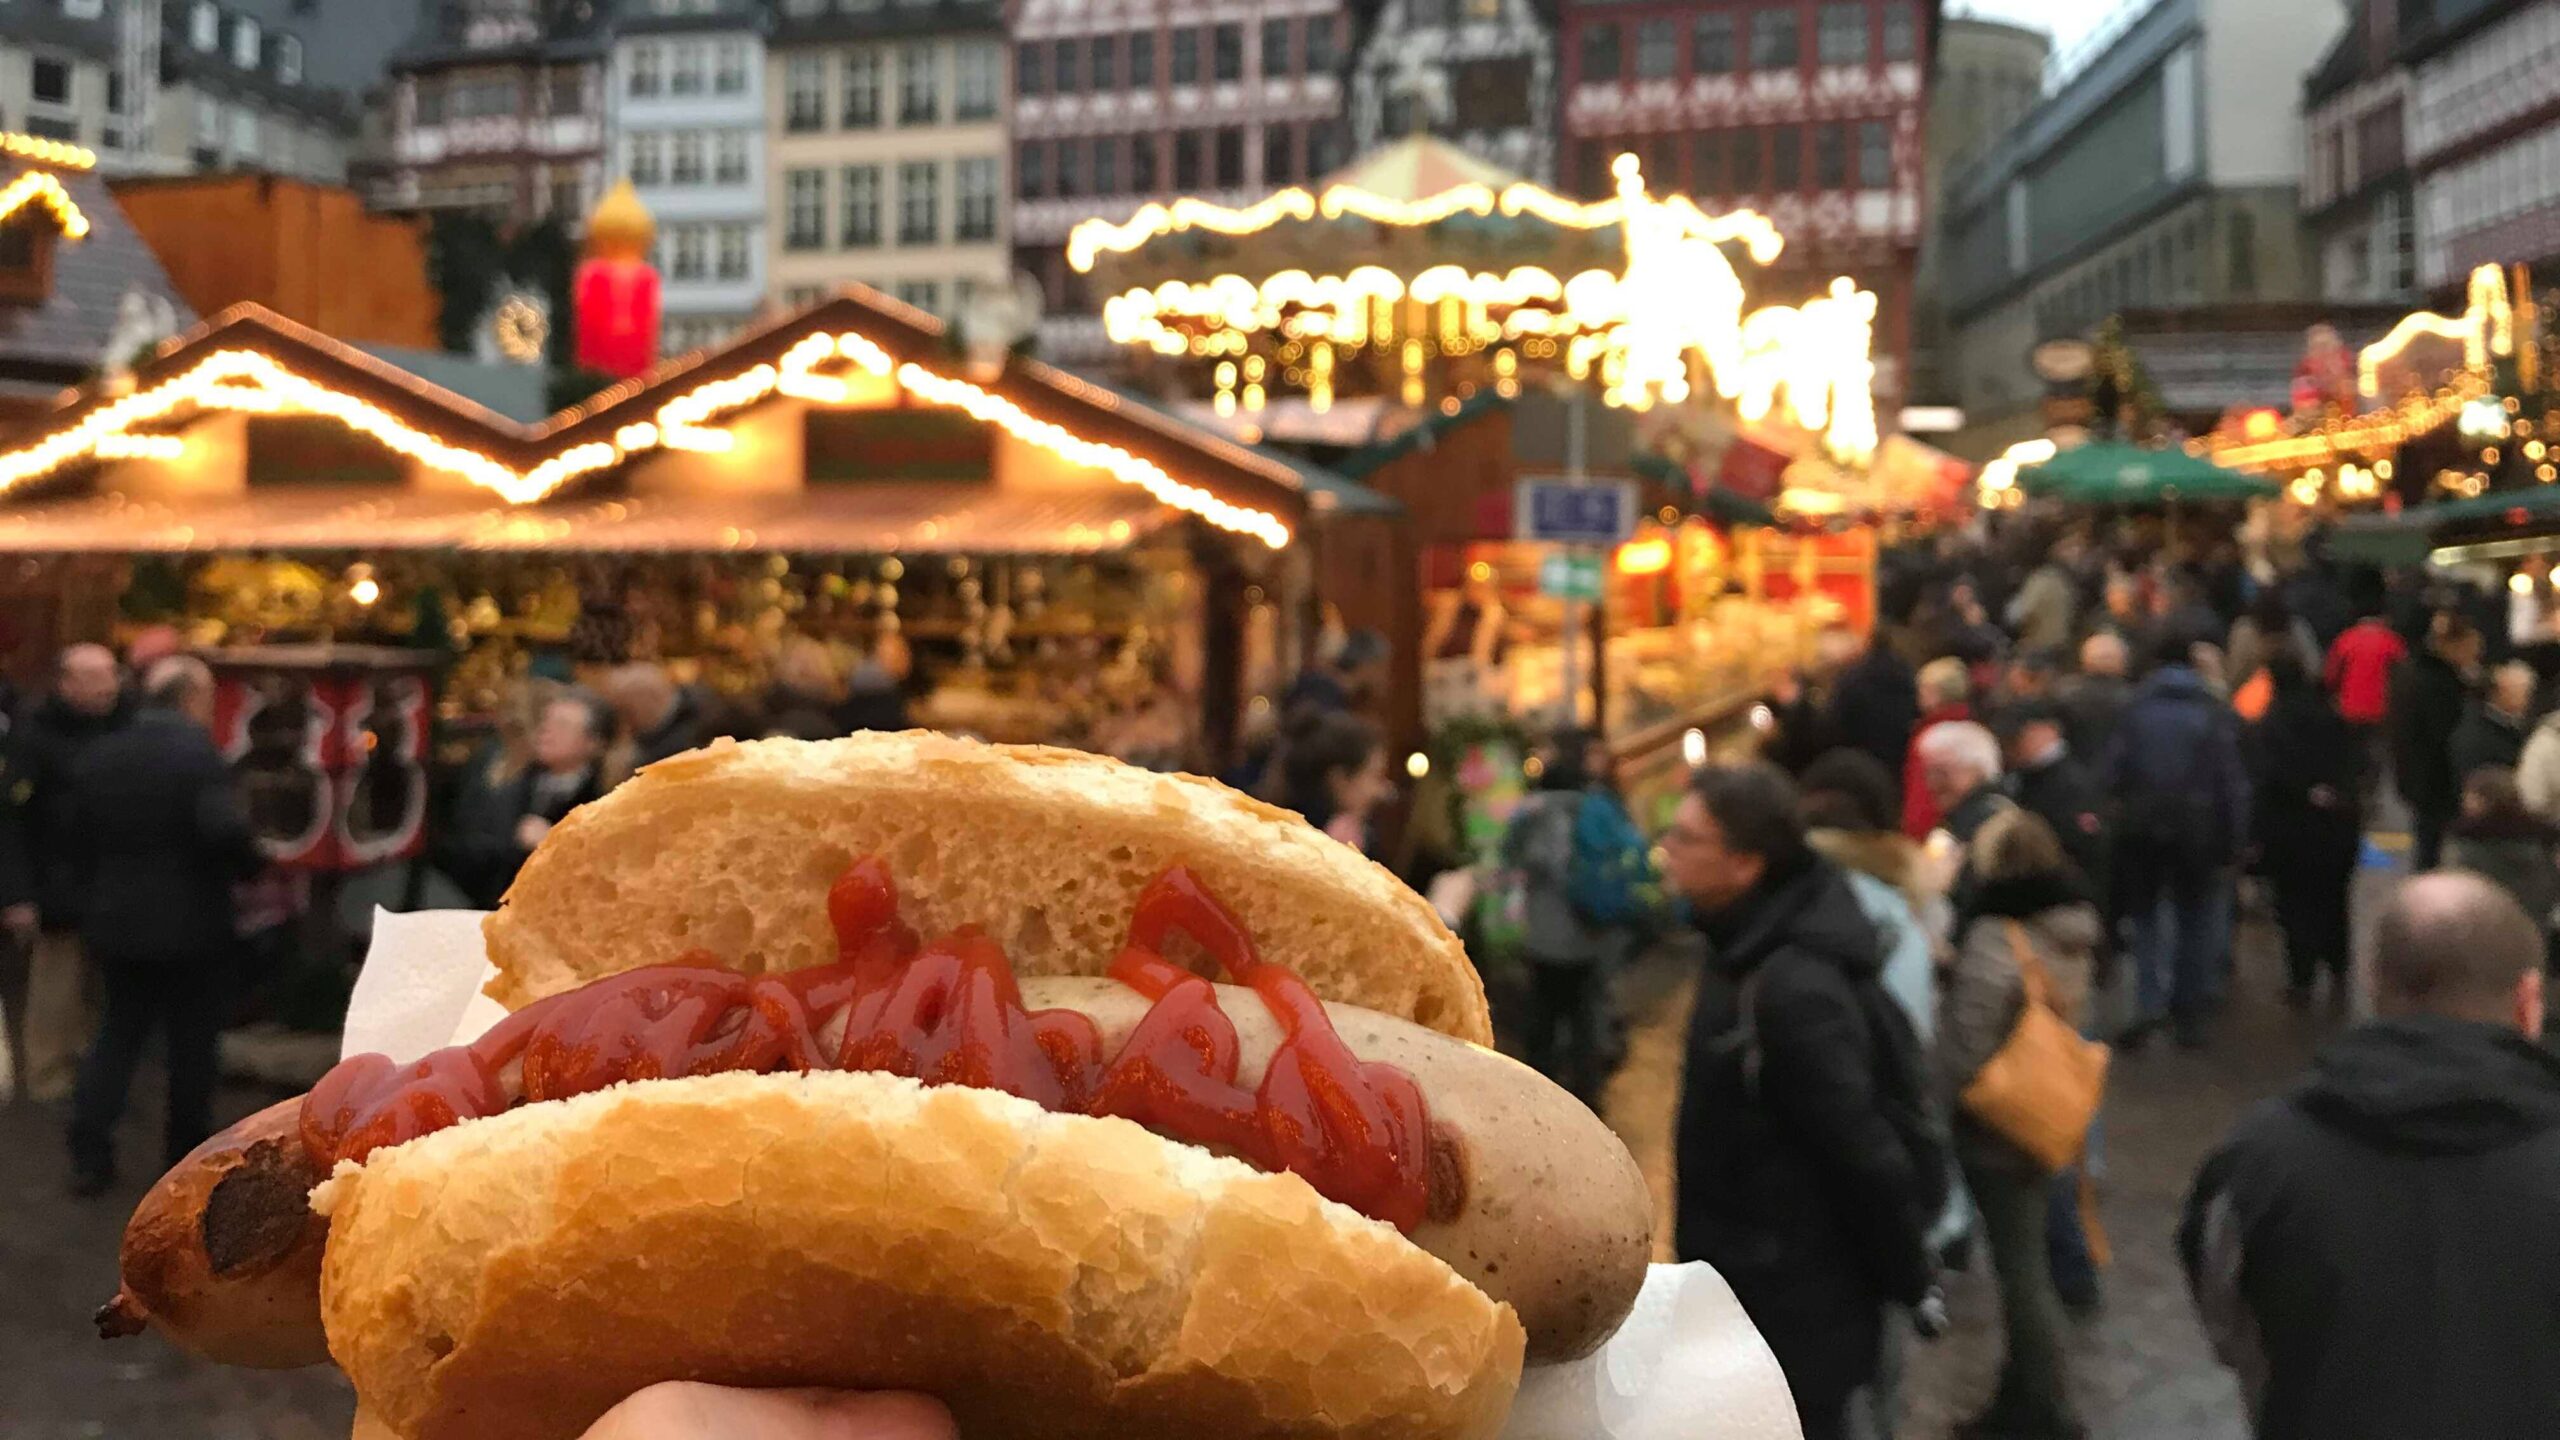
(1809, 1172)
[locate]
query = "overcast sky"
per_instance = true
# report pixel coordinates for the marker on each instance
(2067, 19)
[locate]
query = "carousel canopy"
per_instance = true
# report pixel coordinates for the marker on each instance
(2107, 473)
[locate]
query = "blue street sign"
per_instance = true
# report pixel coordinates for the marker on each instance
(1567, 513)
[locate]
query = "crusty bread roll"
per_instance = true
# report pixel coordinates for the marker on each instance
(731, 849)
(1050, 1276)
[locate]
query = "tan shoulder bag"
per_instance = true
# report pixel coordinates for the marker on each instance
(2041, 1089)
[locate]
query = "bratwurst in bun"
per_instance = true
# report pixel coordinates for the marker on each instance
(1088, 1100)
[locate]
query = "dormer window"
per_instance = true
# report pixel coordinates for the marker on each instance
(289, 59)
(245, 42)
(204, 26)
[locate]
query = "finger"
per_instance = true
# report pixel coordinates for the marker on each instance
(688, 1410)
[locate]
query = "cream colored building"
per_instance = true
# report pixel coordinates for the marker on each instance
(886, 143)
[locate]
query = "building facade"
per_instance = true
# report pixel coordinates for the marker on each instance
(1808, 111)
(497, 107)
(172, 86)
(2162, 174)
(1117, 103)
(1480, 73)
(886, 130)
(2356, 199)
(2483, 136)
(1985, 76)
(686, 107)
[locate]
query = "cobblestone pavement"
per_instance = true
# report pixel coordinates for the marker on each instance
(2142, 1367)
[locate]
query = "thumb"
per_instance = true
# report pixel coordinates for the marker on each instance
(684, 1410)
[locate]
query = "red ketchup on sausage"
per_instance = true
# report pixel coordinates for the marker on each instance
(946, 1012)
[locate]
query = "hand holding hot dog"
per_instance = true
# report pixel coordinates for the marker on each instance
(684, 1410)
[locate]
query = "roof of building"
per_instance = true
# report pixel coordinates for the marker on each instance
(2209, 359)
(888, 20)
(640, 18)
(443, 33)
(346, 44)
(519, 392)
(64, 340)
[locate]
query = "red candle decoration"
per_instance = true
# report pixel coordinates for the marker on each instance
(617, 289)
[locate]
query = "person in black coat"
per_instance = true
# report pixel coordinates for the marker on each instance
(163, 839)
(2494, 725)
(508, 804)
(2428, 694)
(1793, 1182)
(2308, 768)
(1875, 702)
(2050, 781)
(2375, 1252)
(662, 717)
(40, 874)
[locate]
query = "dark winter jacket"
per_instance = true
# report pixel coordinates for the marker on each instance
(2520, 852)
(2176, 775)
(2063, 794)
(43, 751)
(1982, 990)
(1792, 1184)
(1875, 702)
(479, 851)
(2307, 767)
(2427, 698)
(2486, 736)
(2092, 707)
(162, 839)
(2377, 1253)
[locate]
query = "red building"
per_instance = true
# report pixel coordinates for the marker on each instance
(1808, 111)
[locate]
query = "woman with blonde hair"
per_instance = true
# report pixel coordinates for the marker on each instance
(1946, 693)
(2026, 906)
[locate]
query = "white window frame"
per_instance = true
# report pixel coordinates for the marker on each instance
(688, 158)
(974, 187)
(689, 253)
(688, 69)
(920, 79)
(920, 204)
(732, 158)
(736, 256)
(289, 59)
(645, 158)
(204, 26)
(246, 40)
(648, 72)
(804, 198)
(729, 68)
(974, 84)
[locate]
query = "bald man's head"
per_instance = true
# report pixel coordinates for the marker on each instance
(88, 680)
(2452, 943)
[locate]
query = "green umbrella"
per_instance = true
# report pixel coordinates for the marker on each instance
(2106, 473)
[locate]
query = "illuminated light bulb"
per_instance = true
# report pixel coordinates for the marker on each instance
(2520, 583)
(1693, 748)
(1763, 719)
(58, 154)
(1417, 765)
(365, 591)
(35, 187)
(1644, 557)
(141, 447)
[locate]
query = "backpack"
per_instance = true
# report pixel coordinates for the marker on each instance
(1901, 1081)
(1539, 853)
(1611, 865)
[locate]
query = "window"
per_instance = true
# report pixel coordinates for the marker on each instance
(1786, 159)
(1706, 162)
(568, 93)
(689, 253)
(244, 132)
(973, 183)
(861, 110)
(568, 199)
(1065, 73)
(115, 92)
(686, 168)
(1875, 156)
(1323, 37)
(48, 127)
(1841, 34)
(1226, 52)
(1102, 62)
(1070, 165)
(1662, 163)
(246, 43)
(805, 219)
(204, 26)
(1830, 157)
(1230, 157)
(289, 59)
(964, 293)
(1142, 163)
(1279, 155)
(1711, 43)
(1901, 36)
(1324, 148)
(920, 203)
(1142, 60)
(919, 83)
(730, 160)
(804, 95)
(430, 104)
(861, 206)
(973, 93)
(685, 69)
(1190, 150)
(1030, 68)
(1748, 146)
(1276, 59)
(52, 81)
(84, 9)
(646, 162)
(1186, 56)
(1106, 165)
(1031, 170)
(803, 297)
(922, 294)
(1657, 49)
(1600, 57)
(1773, 40)
(729, 69)
(648, 70)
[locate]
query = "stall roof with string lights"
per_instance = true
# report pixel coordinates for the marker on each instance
(230, 435)
(1469, 279)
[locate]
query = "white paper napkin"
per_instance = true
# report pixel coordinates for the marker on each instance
(1687, 1363)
